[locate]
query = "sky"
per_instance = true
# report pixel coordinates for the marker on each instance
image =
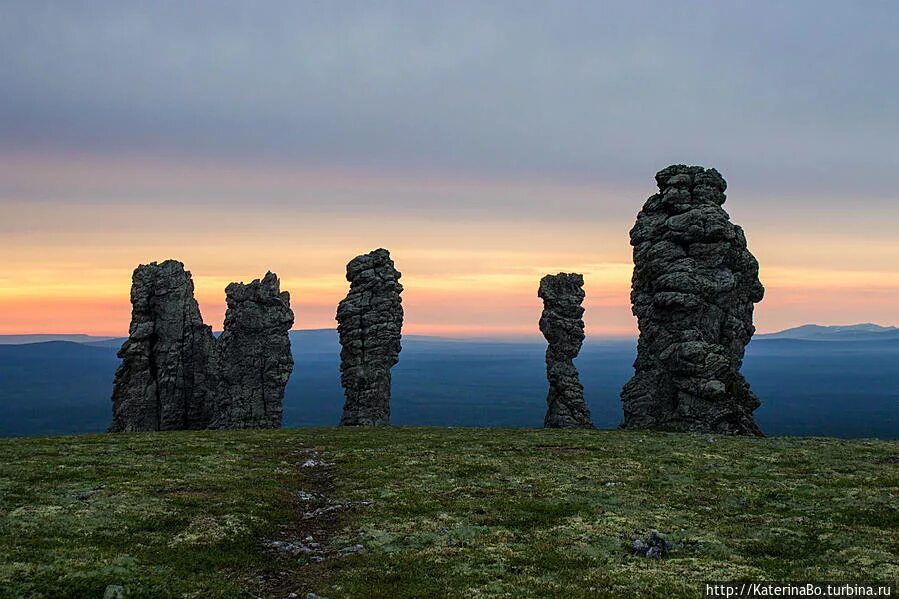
(484, 143)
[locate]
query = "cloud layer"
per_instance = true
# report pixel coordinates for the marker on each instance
(796, 96)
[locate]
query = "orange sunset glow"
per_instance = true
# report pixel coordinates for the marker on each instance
(466, 271)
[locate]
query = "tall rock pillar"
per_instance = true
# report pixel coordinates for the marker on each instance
(255, 360)
(370, 322)
(165, 379)
(563, 326)
(694, 287)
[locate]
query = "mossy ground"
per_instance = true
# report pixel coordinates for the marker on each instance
(455, 512)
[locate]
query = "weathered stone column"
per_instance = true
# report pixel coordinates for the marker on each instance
(694, 287)
(563, 326)
(255, 361)
(164, 381)
(370, 322)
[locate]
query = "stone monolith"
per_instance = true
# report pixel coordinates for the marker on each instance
(370, 322)
(694, 287)
(167, 375)
(254, 361)
(563, 326)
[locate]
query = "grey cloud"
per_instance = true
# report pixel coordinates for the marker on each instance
(797, 96)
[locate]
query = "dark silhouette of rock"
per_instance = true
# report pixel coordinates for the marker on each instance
(176, 375)
(254, 355)
(370, 322)
(694, 287)
(563, 326)
(165, 380)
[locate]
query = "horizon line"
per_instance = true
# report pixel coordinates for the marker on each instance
(466, 337)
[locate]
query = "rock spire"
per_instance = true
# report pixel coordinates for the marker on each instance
(370, 322)
(254, 355)
(563, 326)
(694, 287)
(164, 381)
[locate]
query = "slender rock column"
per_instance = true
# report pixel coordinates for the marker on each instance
(370, 322)
(694, 287)
(165, 380)
(563, 326)
(255, 361)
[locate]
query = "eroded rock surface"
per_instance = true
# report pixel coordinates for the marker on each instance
(176, 375)
(563, 326)
(370, 322)
(254, 355)
(694, 287)
(167, 376)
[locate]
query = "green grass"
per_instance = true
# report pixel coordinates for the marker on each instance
(454, 512)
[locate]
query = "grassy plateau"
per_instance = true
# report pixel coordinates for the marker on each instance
(424, 512)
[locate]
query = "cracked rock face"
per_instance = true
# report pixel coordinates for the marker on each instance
(255, 361)
(164, 381)
(176, 375)
(563, 326)
(694, 287)
(370, 322)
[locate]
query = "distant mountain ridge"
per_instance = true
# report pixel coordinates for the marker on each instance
(328, 337)
(45, 337)
(854, 332)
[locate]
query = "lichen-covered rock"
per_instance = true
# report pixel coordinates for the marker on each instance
(167, 374)
(563, 326)
(694, 287)
(370, 322)
(654, 546)
(255, 361)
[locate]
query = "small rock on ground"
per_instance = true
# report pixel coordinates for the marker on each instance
(654, 546)
(352, 549)
(114, 591)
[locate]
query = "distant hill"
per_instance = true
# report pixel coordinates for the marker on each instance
(43, 338)
(326, 339)
(853, 332)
